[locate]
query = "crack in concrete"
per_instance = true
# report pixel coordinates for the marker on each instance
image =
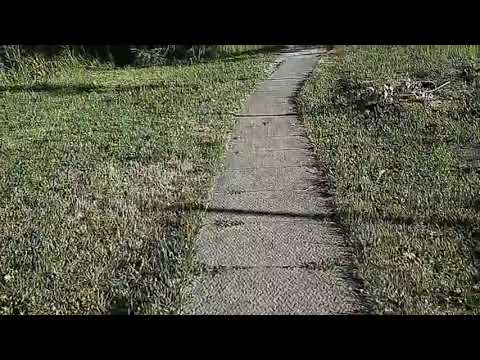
(265, 115)
(287, 78)
(235, 192)
(228, 223)
(311, 265)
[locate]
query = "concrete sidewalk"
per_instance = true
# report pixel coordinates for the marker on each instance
(269, 245)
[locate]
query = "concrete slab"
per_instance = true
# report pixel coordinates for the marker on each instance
(259, 179)
(275, 243)
(270, 244)
(269, 143)
(268, 126)
(272, 291)
(259, 158)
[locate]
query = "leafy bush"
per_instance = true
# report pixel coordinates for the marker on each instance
(174, 54)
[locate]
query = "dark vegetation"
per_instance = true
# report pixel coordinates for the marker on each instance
(138, 55)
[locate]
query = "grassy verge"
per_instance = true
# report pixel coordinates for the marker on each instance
(96, 167)
(398, 130)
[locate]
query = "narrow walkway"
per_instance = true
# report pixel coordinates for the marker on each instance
(269, 245)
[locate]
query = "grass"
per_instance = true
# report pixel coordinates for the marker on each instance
(402, 155)
(98, 167)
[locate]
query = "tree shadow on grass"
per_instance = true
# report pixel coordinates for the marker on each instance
(415, 220)
(58, 89)
(72, 89)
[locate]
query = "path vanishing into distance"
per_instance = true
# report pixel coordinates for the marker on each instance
(269, 244)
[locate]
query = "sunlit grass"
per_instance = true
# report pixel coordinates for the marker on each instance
(405, 191)
(97, 167)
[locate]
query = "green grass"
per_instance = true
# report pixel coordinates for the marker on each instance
(97, 167)
(406, 192)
